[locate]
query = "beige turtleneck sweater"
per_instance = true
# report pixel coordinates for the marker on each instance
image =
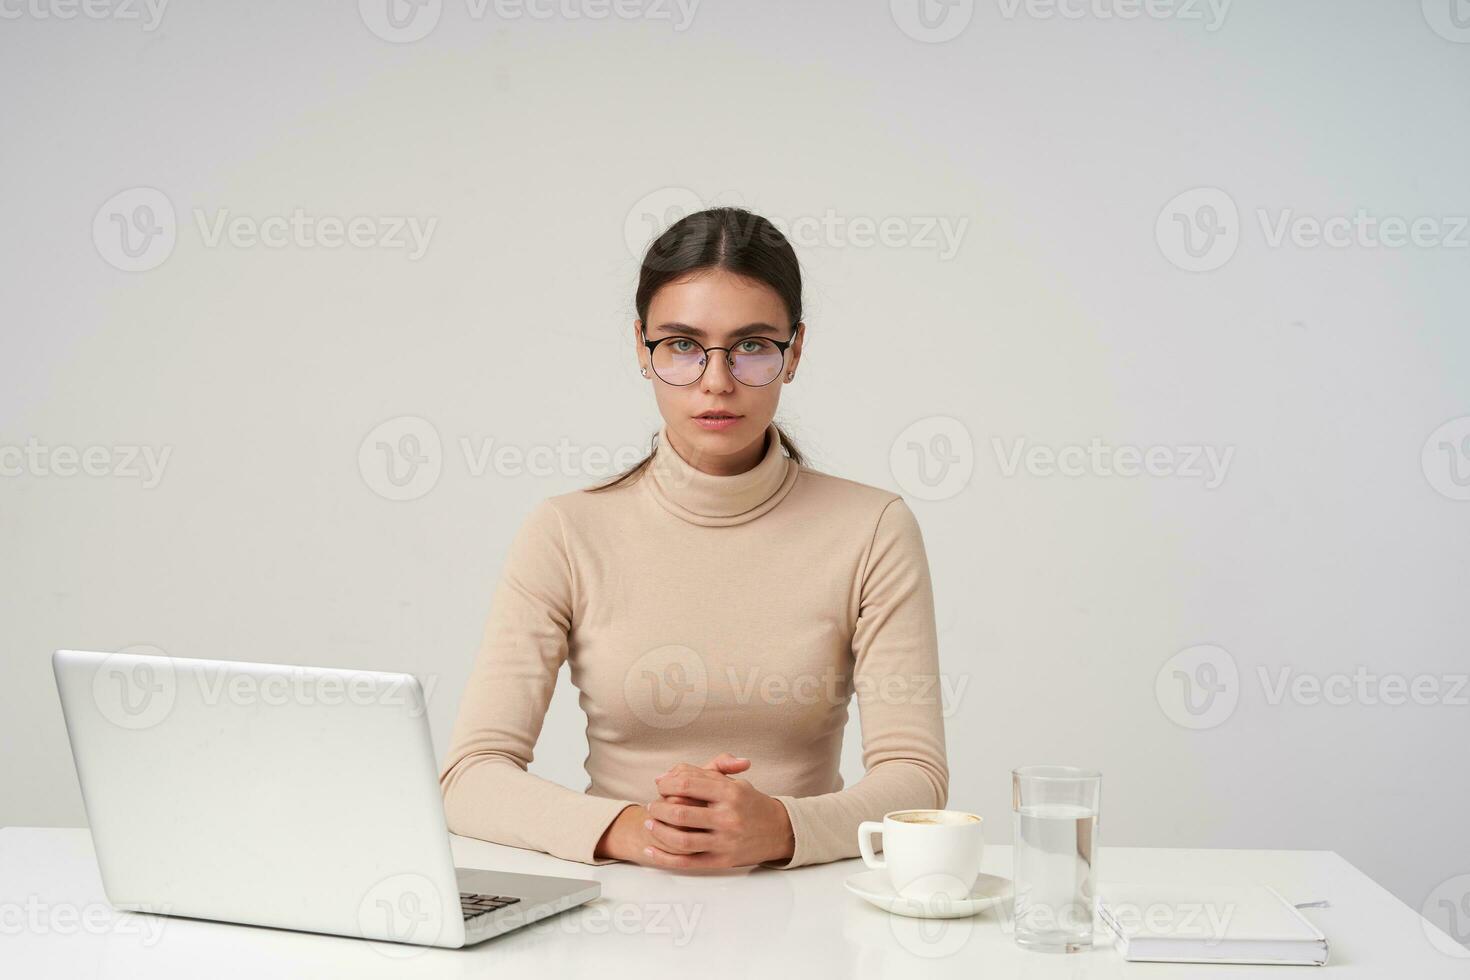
(703, 614)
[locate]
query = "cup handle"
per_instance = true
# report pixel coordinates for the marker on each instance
(866, 830)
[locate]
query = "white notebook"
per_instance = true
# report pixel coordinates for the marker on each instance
(1208, 923)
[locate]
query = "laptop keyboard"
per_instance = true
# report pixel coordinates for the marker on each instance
(472, 905)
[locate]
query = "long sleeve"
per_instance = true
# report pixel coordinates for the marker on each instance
(488, 792)
(896, 681)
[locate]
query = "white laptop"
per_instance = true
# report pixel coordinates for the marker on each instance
(295, 797)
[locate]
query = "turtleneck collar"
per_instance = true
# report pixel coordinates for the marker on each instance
(702, 498)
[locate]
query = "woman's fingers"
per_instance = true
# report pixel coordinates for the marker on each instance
(696, 817)
(727, 763)
(701, 784)
(686, 800)
(724, 763)
(660, 858)
(676, 840)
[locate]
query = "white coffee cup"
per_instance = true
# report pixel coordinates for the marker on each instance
(927, 853)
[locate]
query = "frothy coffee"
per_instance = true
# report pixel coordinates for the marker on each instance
(936, 817)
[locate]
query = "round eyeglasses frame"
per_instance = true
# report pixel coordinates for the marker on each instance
(780, 345)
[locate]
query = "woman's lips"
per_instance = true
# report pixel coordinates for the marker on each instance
(716, 424)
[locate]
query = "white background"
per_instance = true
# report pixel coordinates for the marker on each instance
(542, 147)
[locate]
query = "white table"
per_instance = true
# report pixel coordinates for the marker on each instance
(55, 922)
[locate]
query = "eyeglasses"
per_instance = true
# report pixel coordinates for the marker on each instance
(754, 361)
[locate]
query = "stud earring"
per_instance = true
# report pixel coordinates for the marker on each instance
(643, 371)
(790, 375)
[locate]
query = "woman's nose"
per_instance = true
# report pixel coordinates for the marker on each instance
(717, 376)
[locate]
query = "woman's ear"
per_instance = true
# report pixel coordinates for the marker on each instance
(638, 347)
(798, 338)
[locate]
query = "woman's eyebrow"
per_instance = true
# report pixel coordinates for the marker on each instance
(745, 331)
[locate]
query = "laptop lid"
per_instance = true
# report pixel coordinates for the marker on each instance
(296, 797)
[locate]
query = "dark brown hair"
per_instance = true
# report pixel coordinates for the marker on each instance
(732, 239)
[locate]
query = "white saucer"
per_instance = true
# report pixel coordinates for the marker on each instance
(874, 887)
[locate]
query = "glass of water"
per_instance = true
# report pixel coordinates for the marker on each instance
(1055, 848)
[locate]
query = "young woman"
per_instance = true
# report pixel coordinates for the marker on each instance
(720, 604)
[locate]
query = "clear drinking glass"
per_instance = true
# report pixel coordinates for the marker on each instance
(1055, 848)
